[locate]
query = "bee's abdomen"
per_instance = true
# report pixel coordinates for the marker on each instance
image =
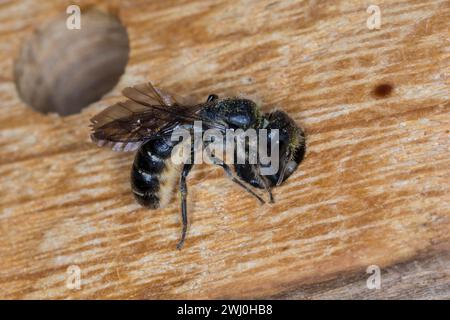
(153, 175)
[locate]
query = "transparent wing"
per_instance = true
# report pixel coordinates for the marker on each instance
(148, 113)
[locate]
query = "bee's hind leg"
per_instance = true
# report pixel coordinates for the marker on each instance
(183, 191)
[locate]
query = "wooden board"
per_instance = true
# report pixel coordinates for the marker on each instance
(373, 189)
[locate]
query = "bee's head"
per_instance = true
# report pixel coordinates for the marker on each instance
(291, 140)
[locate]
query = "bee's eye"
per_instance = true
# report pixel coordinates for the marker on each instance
(212, 97)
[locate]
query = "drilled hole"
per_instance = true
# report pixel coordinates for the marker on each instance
(61, 70)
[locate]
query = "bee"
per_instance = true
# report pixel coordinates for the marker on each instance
(146, 120)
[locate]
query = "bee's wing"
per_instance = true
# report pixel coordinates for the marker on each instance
(147, 113)
(147, 94)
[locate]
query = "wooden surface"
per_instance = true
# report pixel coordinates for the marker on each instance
(373, 189)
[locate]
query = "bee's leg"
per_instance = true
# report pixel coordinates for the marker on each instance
(268, 188)
(227, 170)
(266, 184)
(183, 191)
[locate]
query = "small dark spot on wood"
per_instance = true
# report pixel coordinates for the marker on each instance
(383, 90)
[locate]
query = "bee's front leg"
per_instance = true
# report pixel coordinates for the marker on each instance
(227, 170)
(264, 182)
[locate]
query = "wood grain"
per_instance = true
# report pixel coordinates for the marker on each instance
(373, 189)
(427, 276)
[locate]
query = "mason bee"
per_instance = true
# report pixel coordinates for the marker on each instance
(147, 119)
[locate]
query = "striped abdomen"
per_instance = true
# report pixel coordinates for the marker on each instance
(153, 176)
